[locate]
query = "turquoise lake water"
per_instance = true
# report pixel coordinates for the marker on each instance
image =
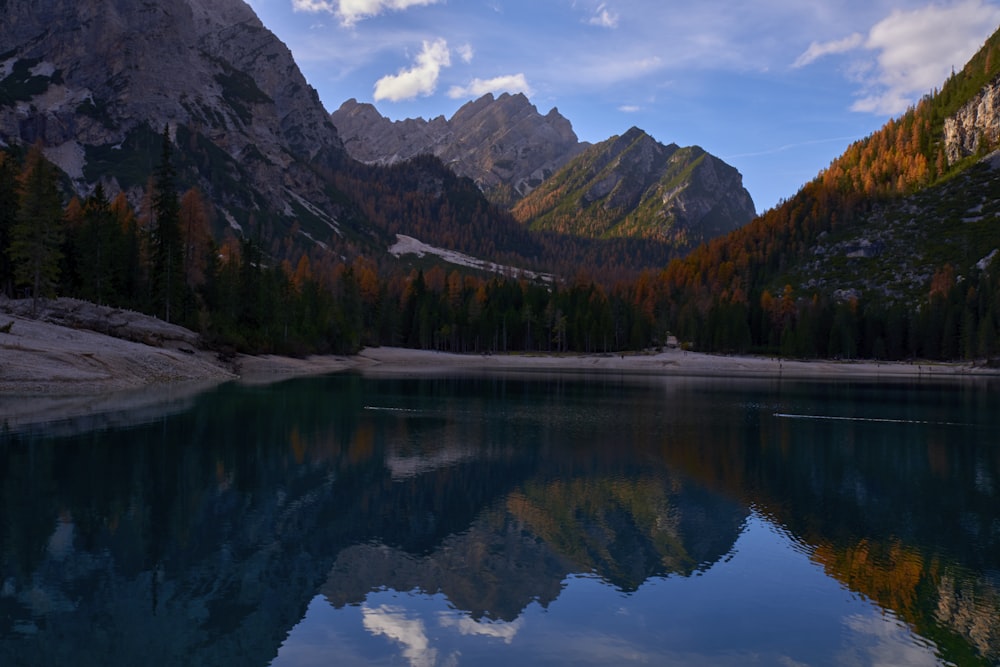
(509, 519)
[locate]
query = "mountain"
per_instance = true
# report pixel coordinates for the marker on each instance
(888, 253)
(626, 187)
(503, 144)
(634, 186)
(96, 82)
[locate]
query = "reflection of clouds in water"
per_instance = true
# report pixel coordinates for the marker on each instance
(396, 624)
(883, 640)
(392, 622)
(406, 467)
(601, 648)
(467, 626)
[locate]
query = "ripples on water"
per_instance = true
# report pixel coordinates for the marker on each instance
(505, 519)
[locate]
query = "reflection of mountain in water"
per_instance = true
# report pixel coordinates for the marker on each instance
(521, 549)
(201, 538)
(897, 498)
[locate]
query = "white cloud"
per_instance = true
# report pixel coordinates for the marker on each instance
(351, 11)
(466, 53)
(604, 18)
(817, 50)
(314, 6)
(914, 52)
(599, 70)
(629, 108)
(421, 79)
(918, 49)
(511, 83)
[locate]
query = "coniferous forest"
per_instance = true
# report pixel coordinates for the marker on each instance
(162, 260)
(741, 293)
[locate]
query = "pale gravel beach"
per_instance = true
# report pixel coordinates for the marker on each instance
(50, 370)
(667, 362)
(42, 358)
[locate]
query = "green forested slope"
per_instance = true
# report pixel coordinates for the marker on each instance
(876, 257)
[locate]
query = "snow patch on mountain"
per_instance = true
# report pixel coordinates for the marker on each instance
(407, 245)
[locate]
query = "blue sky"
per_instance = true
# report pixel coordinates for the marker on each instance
(777, 88)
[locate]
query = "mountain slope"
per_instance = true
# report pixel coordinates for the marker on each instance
(894, 250)
(885, 253)
(626, 187)
(504, 144)
(96, 82)
(633, 186)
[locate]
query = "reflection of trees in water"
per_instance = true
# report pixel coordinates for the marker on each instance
(957, 608)
(167, 537)
(628, 530)
(522, 548)
(209, 531)
(224, 520)
(901, 511)
(969, 605)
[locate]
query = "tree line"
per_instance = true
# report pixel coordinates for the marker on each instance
(160, 258)
(271, 296)
(730, 294)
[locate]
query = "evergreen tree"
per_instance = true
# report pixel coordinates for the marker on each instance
(9, 203)
(99, 249)
(167, 273)
(130, 258)
(37, 234)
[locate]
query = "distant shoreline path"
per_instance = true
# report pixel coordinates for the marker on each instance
(669, 362)
(49, 368)
(63, 353)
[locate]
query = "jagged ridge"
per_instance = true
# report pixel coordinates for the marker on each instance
(633, 186)
(96, 82)
(504, 144)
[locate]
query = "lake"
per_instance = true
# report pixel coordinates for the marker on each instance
(498, 519)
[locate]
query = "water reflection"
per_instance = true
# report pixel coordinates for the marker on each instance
(409, 510)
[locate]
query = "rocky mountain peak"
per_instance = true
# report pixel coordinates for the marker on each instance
(632, 185)
(503, 143)
(976, 124)
(96, 81)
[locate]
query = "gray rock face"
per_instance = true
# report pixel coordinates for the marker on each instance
(504, 144)
(84, 77)
(979, 119)
(634, 186)
(630, 185)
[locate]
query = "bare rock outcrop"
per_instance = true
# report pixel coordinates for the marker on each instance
(96, 82)
(974, 123)
(634, 186)
(504, 144)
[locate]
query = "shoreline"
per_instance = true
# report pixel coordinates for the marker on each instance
(672, 362)
(68, 369)
(60, 354)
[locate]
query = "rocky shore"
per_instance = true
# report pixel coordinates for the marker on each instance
(73, 356)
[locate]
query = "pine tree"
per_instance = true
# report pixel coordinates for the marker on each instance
(195, 235)
(130, 254)
(167, 249)
(9, 203)
(101, 238)
(38, 230)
